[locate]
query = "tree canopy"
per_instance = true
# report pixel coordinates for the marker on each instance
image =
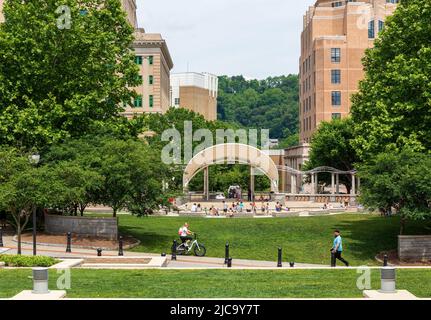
(120, 173)
(271, 104)
(60, 80)
(331, 146)
(392, 108)
(399, 181)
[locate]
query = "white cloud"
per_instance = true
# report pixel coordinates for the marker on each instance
(257, 38)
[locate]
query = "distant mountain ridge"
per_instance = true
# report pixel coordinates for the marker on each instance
(271, 104)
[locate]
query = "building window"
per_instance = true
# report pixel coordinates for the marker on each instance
(337, 4)
(151, 60)
(335, 55)
(151, 80)
(381, 25)
(336, 98)
(151, 101)
(371, 29)
(137, 103)
(177, 101)
(139, 79)
(138, 60)
(335, 76)
(336, 116)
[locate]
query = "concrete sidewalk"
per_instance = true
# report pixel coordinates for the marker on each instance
(181, 262)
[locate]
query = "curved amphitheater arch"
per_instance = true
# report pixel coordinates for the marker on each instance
(232, 153)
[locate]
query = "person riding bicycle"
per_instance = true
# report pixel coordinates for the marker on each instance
(185, 234)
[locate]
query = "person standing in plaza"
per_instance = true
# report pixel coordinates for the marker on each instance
(337, 249)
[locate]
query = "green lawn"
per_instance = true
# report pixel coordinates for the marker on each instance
(216, 283)
(305, 240)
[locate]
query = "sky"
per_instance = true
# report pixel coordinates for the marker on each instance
(253, 38)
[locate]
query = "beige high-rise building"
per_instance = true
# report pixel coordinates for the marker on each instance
(333, 42)
(130, 8)
(155, 63)
(196, 92)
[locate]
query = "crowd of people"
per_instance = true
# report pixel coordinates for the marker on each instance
(239, 207)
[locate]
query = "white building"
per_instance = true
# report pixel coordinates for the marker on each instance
(197, 92)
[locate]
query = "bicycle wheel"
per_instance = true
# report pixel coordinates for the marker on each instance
(201, 251)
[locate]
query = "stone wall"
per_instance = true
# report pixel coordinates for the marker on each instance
(83, 226)
(414, 248)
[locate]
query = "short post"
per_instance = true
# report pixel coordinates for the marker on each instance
(69, 243)
(229, 263)
(292, 264)
(120, 247)
(385, 260)
(388, 280)
(174, 251)
(99, 252)
(40, 281)
(1, 237)
(226, 255)
(280, 257)
(333, 261)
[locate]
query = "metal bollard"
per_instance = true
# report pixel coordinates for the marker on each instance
(385, 260)
(1, 237)
(388, 280)
(280, 257)
(99, 252)
(40, 281)
(292, 264)
(69, 243)
(174, 251)
(120, 247)
(226, 255)
(229, 263)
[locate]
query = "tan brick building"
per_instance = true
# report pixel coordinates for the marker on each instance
(130, 8)
(155, 63)
(196, 92)
(334, 38)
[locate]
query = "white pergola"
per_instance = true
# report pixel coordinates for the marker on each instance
(231, 153)
(335, 178)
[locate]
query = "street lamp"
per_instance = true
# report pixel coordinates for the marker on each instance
(34, 160)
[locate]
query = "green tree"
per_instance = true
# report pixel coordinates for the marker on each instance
(80, 186)
(23, 188)
(391, 109)
(120, 173)
(59, 81)
(331, 147)
(271, 104)
(400, 181)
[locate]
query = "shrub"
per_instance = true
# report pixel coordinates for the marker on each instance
(27, 261)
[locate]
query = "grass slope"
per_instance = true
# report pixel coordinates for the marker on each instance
(305, 240)
(215, 283)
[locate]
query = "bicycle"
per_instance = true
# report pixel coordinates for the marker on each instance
(198, 248)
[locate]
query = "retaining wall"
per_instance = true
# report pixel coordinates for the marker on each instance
(82, 226)
(414, 248)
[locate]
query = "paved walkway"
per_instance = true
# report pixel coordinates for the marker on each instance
(181, 262)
